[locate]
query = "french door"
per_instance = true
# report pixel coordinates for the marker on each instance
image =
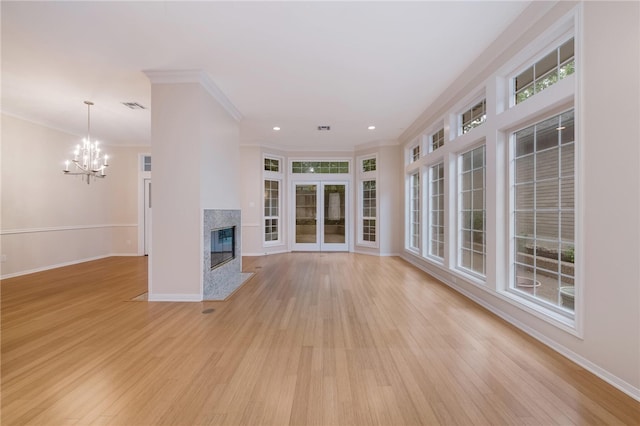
(320, 216)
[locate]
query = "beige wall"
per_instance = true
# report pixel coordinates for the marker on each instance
(49, 219)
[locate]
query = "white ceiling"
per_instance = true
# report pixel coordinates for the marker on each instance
(296, 65)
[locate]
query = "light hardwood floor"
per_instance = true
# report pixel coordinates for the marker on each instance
(311, 339)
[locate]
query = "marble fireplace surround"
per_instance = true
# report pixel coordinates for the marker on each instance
(219, 283)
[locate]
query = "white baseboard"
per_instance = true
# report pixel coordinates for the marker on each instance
(157, 297)
(57, 265)
(265, 253)
(600, 372)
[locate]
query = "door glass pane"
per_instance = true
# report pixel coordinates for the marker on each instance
(306, 213)
(334, 218)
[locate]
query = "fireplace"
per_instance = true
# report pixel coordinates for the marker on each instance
(223, 246)
(222, 254)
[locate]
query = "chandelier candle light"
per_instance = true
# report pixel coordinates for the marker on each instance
(88, 159)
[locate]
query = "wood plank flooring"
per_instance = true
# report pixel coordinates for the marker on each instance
(311, 339)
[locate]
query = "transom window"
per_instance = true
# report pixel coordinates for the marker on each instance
(415, 153)
(369, 165)
(543, 188)
(271, 165)
(437, 139)
(474, 116)
(320, 167)
(547, 71)
(472, 211)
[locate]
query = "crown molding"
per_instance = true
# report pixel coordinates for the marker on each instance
(194, 76)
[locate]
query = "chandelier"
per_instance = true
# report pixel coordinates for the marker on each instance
(88, 159)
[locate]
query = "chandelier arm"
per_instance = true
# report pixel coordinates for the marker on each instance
(88, 159)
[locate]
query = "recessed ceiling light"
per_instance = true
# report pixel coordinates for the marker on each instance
(276, 128)
(371, 127)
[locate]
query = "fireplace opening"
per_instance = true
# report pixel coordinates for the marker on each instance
(223, 246)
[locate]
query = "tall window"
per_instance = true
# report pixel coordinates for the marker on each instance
(369, 211)
(437, 139)
(547, 71)
(473, 117)
(271, 210)
(367, 224)
(414, 242)
(272, 180)
(472, 211)
(544, 212)
(436, 211)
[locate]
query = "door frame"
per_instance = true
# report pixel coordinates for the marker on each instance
(320, 245)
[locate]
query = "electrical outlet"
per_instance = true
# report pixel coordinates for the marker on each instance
(3, 258)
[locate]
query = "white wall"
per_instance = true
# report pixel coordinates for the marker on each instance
(390, 184)
(196, 166)
(608, 106)
(611, 120)
(252, 200)
(49, 219)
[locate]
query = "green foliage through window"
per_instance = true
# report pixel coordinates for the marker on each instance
(546, 72)
(332, 167)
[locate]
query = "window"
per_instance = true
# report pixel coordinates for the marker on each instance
(474, 116)
(472, 211)
(271, 165)
(414, 242)
(369, 211)
(146, 163)
(415, 153)
(367, 225)
(369, 165)
(436, 211)
(437, 139)
(320, 167)
(547, 71)
(543, 185)
(271, 210)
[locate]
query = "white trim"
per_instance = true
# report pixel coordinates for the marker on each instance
(142, 176)
(194, 76)
(266, 253)
(174, 297)
(65, 228)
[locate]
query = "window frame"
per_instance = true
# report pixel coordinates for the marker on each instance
(366, 176)
(459, 211)
(414, 214)
(277, 176)
(511, 280)
(482, 99)
(531, 61)
(430, 211)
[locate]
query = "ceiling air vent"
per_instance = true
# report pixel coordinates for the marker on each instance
(133, 105)
(324, 128)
